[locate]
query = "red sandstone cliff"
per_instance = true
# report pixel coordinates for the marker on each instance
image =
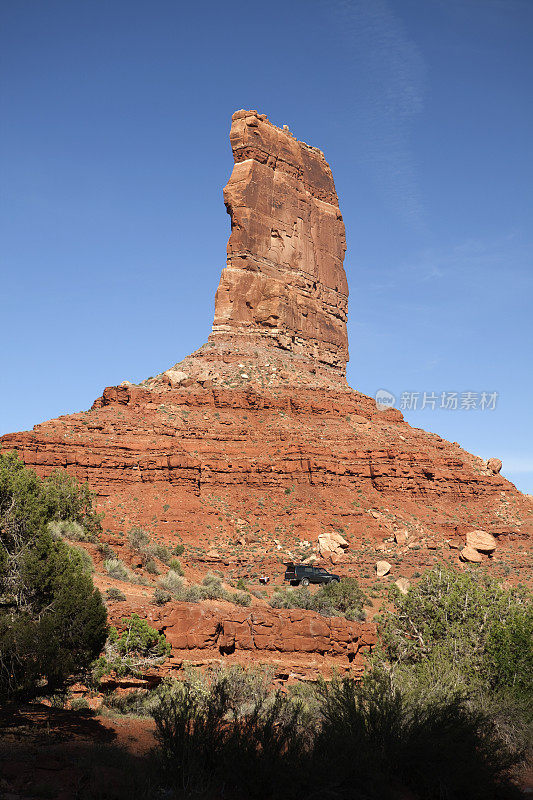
(253, 446)
(284, 277)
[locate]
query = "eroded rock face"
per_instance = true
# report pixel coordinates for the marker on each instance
(255, 443)
(284, 280)
(481, 540)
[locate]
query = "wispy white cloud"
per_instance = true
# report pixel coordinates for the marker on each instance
(517, 464)
(505, 255)
(386, 87)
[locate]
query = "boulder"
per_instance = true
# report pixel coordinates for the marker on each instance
(332, 543)
(400, 537)
(470, 554)
(482, 541)
(382, 568)
(176, 377)
(403, 585)
(495, 465)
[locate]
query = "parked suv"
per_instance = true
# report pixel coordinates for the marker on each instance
(305, 574)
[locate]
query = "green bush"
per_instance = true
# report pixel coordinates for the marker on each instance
(241, 598)
(105, 550)
(72, 531)
(138, 702)
(344, 598)
(462, 624)
(138, 638)
(212, 587)
(375, 737)
(160, 551)
(79, 704)
(136, 648)
(52, 619)
(348, 741)
(151, 567)
(509, 651)
(115, 594)
(140, 541)
(172, 582)
(175, 565)
(161, 596)
(115, 568)
(178, 550)
(200, 750)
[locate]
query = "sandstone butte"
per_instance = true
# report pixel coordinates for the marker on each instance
(253, 446)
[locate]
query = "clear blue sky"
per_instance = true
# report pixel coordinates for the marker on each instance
(114, 138)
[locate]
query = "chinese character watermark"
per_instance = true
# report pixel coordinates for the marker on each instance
(450, 401)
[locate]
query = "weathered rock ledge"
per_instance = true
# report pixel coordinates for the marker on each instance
(290, 641)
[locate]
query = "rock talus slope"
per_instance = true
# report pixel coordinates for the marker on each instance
(254, 446)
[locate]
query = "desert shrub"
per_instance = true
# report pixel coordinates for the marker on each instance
(161, 596)
(200, 750)
(242, 585)
(212, 587)
(160, 551)
(347, 740)
(105, 550)
(242, 685)
(173, 583)
(33, 502)
(178, 550)
(139, 639)
(79, 704)
(136, 648)
(175, 565)
(300, 597)
(70, 530)
(461, 632)
(461, 624)
(115, 594)
(192, 594)
(509, 651)
(137, 702)
(344, 598)
(140, 541)
(115, 568)
(140, 580)
(374, 737)
(151, 567)
(52, 619)
(241, 598)
(86, 559)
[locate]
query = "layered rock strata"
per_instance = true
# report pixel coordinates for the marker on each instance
(302, 641)
(253, 447)
(284, 280)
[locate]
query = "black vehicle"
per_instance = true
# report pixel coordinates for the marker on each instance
(305, 574)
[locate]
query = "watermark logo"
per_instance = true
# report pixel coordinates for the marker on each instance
(384, 400)
(449, 401)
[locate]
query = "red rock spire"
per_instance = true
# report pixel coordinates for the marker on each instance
(284, 280)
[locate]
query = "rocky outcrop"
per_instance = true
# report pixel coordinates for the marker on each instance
(482, 541)
(254, 444)
(470, 554)
(304, 640)
(284, 280)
